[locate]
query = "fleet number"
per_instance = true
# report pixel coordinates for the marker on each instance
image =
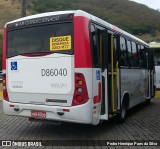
(54, 72)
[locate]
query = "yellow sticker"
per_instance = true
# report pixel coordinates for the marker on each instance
(60, 43)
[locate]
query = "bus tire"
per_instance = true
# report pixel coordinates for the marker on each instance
(122, 115)
(148, 101)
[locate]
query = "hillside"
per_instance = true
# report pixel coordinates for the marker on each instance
(9, 10)
(132, 17)
(135, 18)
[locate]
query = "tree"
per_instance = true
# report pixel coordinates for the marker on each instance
(23, 8)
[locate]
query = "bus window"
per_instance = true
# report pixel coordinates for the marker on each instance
(134, 55)
(157, 57)
(123, 53)
(38, 39)
(147, 57)
(100, 38)
(138, 53)
(116, 50)
(95, 52)
(143, 60)
(129, 53)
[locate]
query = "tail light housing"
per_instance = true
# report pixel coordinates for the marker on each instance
(5, 93)
(80, 94)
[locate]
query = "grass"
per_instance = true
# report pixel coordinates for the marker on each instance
(9, 10)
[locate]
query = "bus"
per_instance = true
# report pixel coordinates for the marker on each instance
(155, 47)
(71, 66)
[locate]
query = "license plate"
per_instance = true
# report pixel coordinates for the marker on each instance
(38, 114)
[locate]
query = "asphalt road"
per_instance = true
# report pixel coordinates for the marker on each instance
(142, 123)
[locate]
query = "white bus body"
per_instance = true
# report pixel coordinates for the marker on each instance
(67, 84)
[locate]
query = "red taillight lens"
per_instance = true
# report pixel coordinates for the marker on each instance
(80, 93)
(79, 99)
(5, 94)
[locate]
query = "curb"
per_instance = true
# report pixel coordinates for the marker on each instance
(1, 96)
(157, 94)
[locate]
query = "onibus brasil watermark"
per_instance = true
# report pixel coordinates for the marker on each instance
(38, 143)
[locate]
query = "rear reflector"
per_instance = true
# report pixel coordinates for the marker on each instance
(97, 99)
(66, 110)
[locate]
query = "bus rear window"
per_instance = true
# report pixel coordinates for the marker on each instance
(39, 39)
(157, 57)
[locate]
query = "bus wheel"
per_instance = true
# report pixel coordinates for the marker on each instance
(148, 101)
(122, 115)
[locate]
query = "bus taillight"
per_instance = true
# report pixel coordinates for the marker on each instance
(80, 93)
(79, 99)
(5, 94)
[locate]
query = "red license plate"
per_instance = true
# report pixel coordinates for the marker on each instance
(38, 114)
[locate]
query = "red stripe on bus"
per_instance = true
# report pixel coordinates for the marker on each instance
(82, 48)
(4, 50)
(117, 29)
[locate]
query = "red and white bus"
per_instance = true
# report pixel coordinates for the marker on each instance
(72, 66)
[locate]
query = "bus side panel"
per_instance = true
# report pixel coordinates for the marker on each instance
(97, 95)
(134, 82)
(157, 77)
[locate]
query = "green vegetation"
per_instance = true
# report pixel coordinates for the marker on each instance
(9, 10)
(130, 16)
(0, 51)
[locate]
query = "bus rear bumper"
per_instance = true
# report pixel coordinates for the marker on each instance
(76, 114)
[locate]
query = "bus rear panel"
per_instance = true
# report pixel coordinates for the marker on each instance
(43, 78)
